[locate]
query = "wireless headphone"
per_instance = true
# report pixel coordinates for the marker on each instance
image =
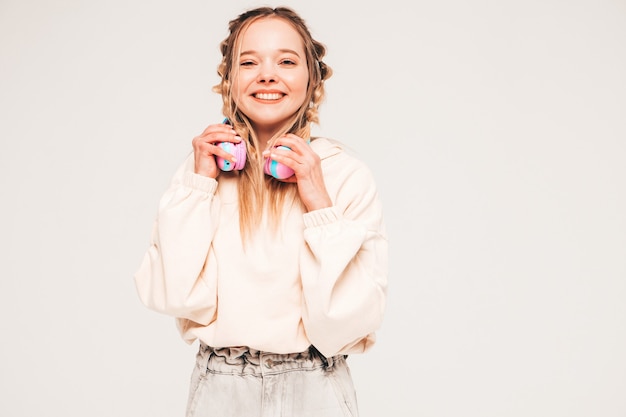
(238, 150)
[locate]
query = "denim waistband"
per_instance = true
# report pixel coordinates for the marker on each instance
(244, 360)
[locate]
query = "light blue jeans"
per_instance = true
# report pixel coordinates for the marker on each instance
(242, 382)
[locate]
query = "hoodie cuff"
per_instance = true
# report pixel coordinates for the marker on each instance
(199, 182)
(321, 217)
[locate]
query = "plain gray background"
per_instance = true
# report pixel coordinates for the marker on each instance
(496, 131)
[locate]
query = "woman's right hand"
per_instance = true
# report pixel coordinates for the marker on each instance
(205, 148)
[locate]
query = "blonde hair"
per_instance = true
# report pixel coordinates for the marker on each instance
(258, 193)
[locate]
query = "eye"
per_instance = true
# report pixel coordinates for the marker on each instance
(288, 61)
(246, 63)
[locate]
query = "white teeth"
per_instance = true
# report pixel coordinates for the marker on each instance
(268, 96)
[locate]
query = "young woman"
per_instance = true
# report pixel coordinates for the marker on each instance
(278, 276)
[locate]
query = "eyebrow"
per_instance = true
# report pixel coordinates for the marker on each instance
(290, 51)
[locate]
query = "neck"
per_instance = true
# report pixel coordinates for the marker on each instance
(264, 135)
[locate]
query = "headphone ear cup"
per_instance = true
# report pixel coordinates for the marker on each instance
(276, 169)
(239, 152)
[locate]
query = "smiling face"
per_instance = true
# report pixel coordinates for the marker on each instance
(271, 79)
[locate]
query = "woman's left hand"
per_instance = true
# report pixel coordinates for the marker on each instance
(307, 167)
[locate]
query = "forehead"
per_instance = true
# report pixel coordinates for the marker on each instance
(271, 32)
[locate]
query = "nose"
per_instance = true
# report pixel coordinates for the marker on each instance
(267, 73)
(266, 78)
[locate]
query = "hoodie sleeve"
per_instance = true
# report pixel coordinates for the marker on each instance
(173, 277)
(344, 270)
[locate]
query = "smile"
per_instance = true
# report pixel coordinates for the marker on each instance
(269, 96)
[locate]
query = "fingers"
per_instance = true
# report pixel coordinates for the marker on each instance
(292, 151)
(307, 166)
(217, 133)
(205, 147)
(213, 135)
(295, 153)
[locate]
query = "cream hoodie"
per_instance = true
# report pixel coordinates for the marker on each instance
(321, 280)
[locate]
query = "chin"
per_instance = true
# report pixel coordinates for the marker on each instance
(270, 121)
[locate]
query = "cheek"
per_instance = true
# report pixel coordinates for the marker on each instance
(238, 88)
(300, 81)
